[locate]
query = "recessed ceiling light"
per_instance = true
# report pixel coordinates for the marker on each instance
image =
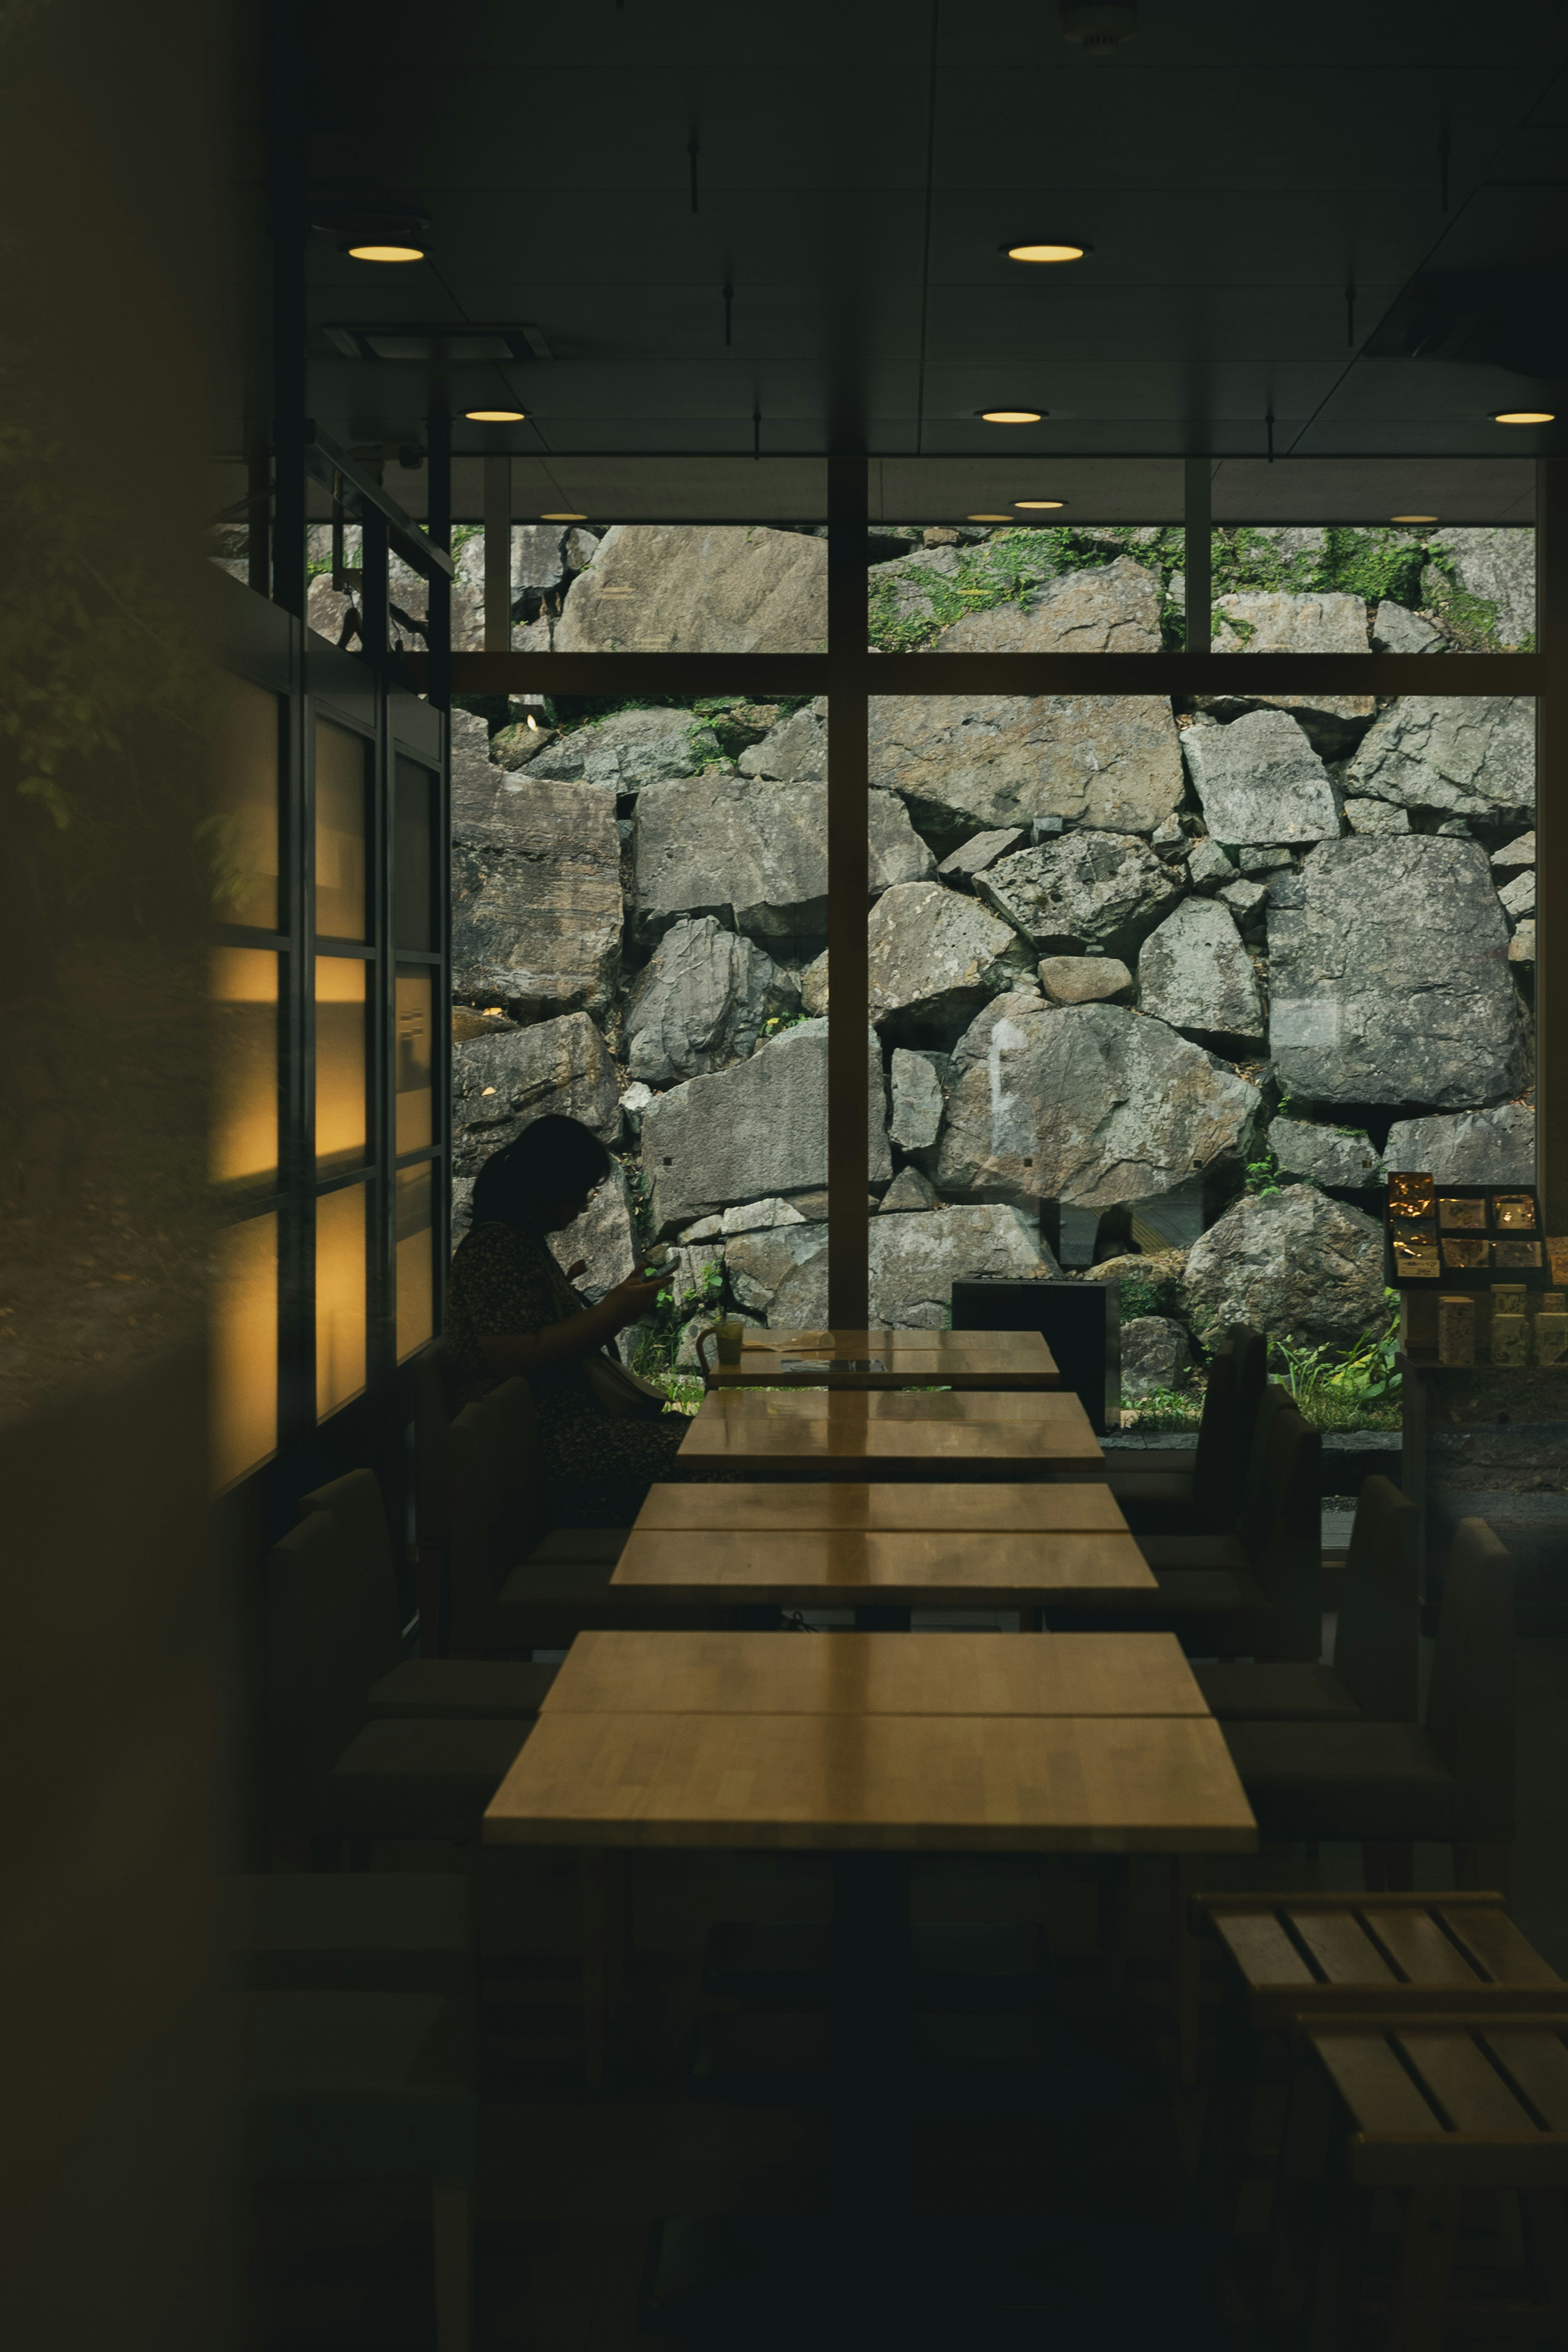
(386, 253)
(1038, 506)
(1007, 517)
(1047, 252)
(374, 232)
(1524, 415)
(564, 518)
(1010, 416)
(496, 415)
(1411, 518)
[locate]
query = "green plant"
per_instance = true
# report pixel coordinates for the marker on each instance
(776, 1025)
(659, 1338)
(1163, 1409)
(1264, 1175)
(1004, 570)
(1357, 1389)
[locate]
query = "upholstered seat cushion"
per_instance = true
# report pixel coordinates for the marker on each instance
(459, 1687)
(338, 2083)
(1282, 1693)
(1378, 1780)
(365, 1931)
(421, 1779)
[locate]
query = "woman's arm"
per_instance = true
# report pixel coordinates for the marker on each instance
(531, 1351)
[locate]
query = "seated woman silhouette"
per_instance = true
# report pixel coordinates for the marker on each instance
(605, 1436)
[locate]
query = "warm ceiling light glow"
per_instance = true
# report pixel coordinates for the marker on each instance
(1524, 416)
(1047, 252)
(1038, 506)
(1011, 415)
(386, 253)
(1007, 517)
(564, 518)
(1411, 518)
(495, 415)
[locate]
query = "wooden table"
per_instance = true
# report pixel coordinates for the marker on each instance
(838, 1437)
(956, 1359)
(1059, 1406)
(885, 1508)
(874, 1674)
(826, 1567)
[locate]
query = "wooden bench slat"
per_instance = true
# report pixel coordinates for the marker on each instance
(1418, 1948)
(1538, 2064)
(1262, 1952)
(1495, 1943)
(1373, 2084)
(1341, 1947)
(1461, 2078)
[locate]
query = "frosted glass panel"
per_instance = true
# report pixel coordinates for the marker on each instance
(340, 832)
(412, 839)
(415, 1237)
(244, 799)
(244, 1098)
(340, 1298)
(340, 1060)
(415, 1126)
(242, 1372)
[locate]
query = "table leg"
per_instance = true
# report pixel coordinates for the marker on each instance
(595, 1867)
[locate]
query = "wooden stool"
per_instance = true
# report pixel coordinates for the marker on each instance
(1464, 2119)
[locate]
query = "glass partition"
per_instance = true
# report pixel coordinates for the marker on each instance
(413, 878)
(415, 1266)
(340, 1280)
(341, 801)
(1026, 584)
(243, 1112)
(245, 800)
(341, 1008)
(413, 1113)
(242, 1362)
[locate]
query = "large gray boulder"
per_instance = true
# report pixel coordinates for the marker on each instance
(970, 764)
(1259, 780)
(536, 897)
(915, 1087)
(981, 850)
(1327, 1154)
(1472, 1147)
(933, 957)
(698, 588)
(754, 855)
(1469, 756)
(1154, 1354)
(1193, 972)
(1089, 1104)
(759, 1128)
(1496, 565)
(914, 1262)
(699, 1003)
(759, 1262)
(792, 752)
(1084, 980)
(1269, 621)
(626, 750)
(1295, 1265)
(1108, 608)
(1396, 629)
(1389, 980)
(503, 1081)
(1085, 890)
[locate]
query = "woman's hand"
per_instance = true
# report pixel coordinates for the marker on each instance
(630, 1300)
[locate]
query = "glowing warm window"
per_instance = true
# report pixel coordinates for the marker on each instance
(415, 1238)
(412, 835)
(242, 1374)
(340, 1298)
(340, 1060)
(413, 1115)
(244, 801)
(244, 1098)
(340, 832)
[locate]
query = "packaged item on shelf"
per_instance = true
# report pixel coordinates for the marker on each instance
(1466, 1252)
(1411, 1196)
(1513, 1249)
(1455, 1331)
(1513, 1212)
(1557, 1258)
(1551, 1330)
(1510, 1337)
(1415, 1261)
(1458, 1217)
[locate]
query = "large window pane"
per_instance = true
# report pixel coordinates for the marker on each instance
(340, 902)
(242, 1367)
(340, 1060)
(414, 1117)
(1018, 587)
(244, 1100)
(412, 867)
(1340, 588)
(246, 802)
(416, 1265)
(340, 1298)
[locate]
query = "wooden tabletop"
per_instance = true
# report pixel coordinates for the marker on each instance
(1088, 1508)
(813, 1567)
(984, 1359)
(844, 1442)
(874, 1674)
(1061, 1783)
(900, 1404)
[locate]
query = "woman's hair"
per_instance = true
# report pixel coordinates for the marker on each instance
(553, 1161)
